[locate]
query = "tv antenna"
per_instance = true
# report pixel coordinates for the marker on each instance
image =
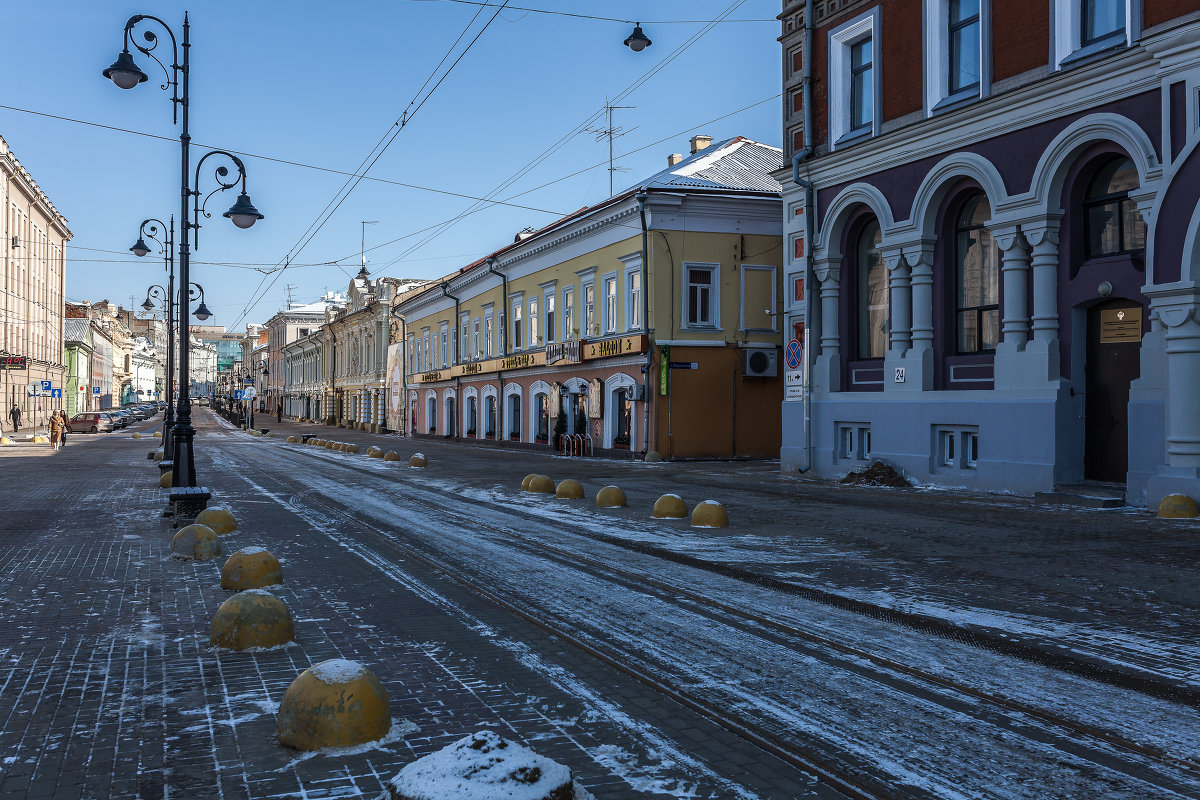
(290, 288)
(611, 133)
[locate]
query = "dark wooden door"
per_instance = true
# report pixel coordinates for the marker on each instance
(1113, 362)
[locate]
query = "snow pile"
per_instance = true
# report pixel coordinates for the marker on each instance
(483, 766)
(252, 551)
(336, 670)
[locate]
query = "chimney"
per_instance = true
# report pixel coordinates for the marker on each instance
(674, 159)
(699, 142)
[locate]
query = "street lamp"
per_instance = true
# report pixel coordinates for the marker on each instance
(150, 228)
(636, 41)
(126, 74)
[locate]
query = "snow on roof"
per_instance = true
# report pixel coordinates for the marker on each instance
(482, 766)
(737, 164)
(75, 330)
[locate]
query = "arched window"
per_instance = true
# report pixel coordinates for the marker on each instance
(872, 294)
(472, 415)
(543, 418)
(490, 429)
(977, 280)
(1112, 223)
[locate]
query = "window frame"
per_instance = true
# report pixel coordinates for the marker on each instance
(841, 41)
(937, 54)
(978, 311)
(860, 297)
(633, 298)
(1121, 199)
(568, 313)
(714, 296)
(489, 329)
(589, 299)
(1066, 41)
(610, 309)
(534, 321)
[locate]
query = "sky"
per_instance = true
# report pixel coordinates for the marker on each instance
(321, 85)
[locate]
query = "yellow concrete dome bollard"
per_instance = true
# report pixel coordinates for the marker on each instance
(1178, 506)
(251, 568)
(669, 506)
(218, 518)
(5, 440)
(525, 481)
(328, 445)
(164, 480)
(374, 452)
(392, 455)
(336, 703)
(352, 449)
(158, 434)
(136, 436)
(253, 618)
(611, 497)
(570, 489)
(710, 514)
(158, 455)
(292, 440)
(541, 484)
(197, 542)
(418, 460)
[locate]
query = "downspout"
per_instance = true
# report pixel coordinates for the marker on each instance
(809, 286)
(457, 356)
(641, 201)
(491, 265)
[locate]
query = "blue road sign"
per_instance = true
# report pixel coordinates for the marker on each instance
(793, 354)
(57, 393)
(95, 390)
(237, 395)
(45, 386)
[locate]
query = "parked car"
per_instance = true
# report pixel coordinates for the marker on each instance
(91, 422)
(120, 418)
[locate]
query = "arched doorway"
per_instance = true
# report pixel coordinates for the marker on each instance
(1113, 361)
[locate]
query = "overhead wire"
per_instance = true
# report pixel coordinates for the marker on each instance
(594, 17)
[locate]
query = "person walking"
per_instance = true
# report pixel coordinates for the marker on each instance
(66, 423)
(15, 414)
(56, 431)
(279, 412)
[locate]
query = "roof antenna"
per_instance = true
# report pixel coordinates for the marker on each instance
(611, 133)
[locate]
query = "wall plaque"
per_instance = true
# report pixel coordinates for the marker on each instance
(1120, 325)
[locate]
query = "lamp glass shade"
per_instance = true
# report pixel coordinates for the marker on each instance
(148, 305)
(139, 248)
(637, 41)
(124, 72)
(243, 213)
(202, 313)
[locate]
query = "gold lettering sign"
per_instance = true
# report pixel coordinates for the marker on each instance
(471, 369)
(1120, 325)
(431, 377)
(607, 348)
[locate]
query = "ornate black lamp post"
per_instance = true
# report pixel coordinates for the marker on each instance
(126, 74)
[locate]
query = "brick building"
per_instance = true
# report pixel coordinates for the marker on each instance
(994, 241)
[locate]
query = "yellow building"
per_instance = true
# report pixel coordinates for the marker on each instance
(656, 310)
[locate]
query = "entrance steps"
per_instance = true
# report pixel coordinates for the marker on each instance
(1084, 495)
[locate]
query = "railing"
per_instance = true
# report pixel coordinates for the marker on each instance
(575, 444)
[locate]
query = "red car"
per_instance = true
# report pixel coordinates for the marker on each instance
(90, 422)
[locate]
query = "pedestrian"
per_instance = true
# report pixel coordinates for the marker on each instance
(56, 431)
(16, 417)
(66, 421)
(279, 412)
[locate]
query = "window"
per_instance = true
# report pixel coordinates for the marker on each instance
(971, 449)
(1101, 19)
(474, 338)
(568, 315)
(514, 417)
(501, 331)
(549, 317)
(948, 457)
(487, 335)
(516, 339)
(610, 305)
(589, 311)
(963, 44)
(1111, 221)
(445, 348)
(542, 434)
(854, 78)
(872, 294)
(862, 100)
(472, 415)
(633, 307)
(977, 280)
(303, 332)
(462, 353)
(490, 403)
(533, 322)
(700, 293)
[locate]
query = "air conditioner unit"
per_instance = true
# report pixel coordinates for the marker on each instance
(760, 363)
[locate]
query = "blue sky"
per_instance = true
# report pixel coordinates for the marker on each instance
(320, 84)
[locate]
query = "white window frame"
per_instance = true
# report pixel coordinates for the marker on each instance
(589, 311)
(633, 299)
(1066, 32)
(937, 56)
(489, 327)
(568, 314)
(535, 322)
(463, 337)
(841, 39)
(550, 309)
(517, 304)
(475, 353)
(445, 346)
(714, 297)
(610, 310)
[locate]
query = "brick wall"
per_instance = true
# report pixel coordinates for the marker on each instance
(1020, 36)
(901, 32)
(1156, 12)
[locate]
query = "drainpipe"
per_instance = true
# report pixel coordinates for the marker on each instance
(491, 265)
(809, 224)
(404, 406)
(457, 354)
(641, 201)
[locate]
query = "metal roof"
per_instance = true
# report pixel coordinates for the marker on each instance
(75, 330)
(737, 164)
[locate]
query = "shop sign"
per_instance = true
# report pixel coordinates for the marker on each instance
(431, 377)
(519, 361)
(473, 368)
(563, 351)
(664, 371)
(607, 348)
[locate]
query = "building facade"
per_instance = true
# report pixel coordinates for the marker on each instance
(285, 327)
(664, 342)
(304, 376)
(32, 275)
(994, 241)
(77, 381)
(355, 342)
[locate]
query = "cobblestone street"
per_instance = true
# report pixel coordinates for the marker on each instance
(109, 687)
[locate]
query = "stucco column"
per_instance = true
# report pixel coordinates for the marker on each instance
(1014, 272)
(1042, 237)
(900, 301)
(918, 360)
(1180, 316)
(827, 369)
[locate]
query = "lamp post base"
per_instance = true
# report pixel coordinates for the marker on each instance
(187, 502)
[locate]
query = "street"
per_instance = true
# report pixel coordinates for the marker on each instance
(833, 642)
